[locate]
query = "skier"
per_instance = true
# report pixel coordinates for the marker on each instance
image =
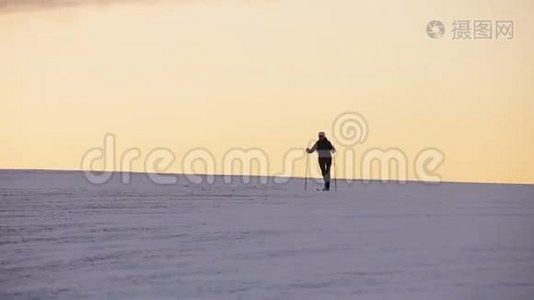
(324, 149)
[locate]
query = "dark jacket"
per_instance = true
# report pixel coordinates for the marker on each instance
(323, 148)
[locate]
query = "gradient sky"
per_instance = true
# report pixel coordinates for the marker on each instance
(266, 74)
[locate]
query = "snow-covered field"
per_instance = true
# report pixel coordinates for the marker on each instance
(62, 237)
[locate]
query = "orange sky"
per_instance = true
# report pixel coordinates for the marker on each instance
(267, 74)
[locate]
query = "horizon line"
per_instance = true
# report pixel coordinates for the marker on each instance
(273, 176)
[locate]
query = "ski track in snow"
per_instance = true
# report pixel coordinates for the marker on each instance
(64, 238)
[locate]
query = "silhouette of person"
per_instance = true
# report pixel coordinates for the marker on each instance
(324, 149)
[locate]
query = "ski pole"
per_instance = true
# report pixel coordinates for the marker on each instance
(335, 174)
(306, 174)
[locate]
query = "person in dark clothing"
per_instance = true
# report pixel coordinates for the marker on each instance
(324, 149)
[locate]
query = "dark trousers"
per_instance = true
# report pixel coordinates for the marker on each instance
(324, 164)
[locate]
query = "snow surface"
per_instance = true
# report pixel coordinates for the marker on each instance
(62, 237)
